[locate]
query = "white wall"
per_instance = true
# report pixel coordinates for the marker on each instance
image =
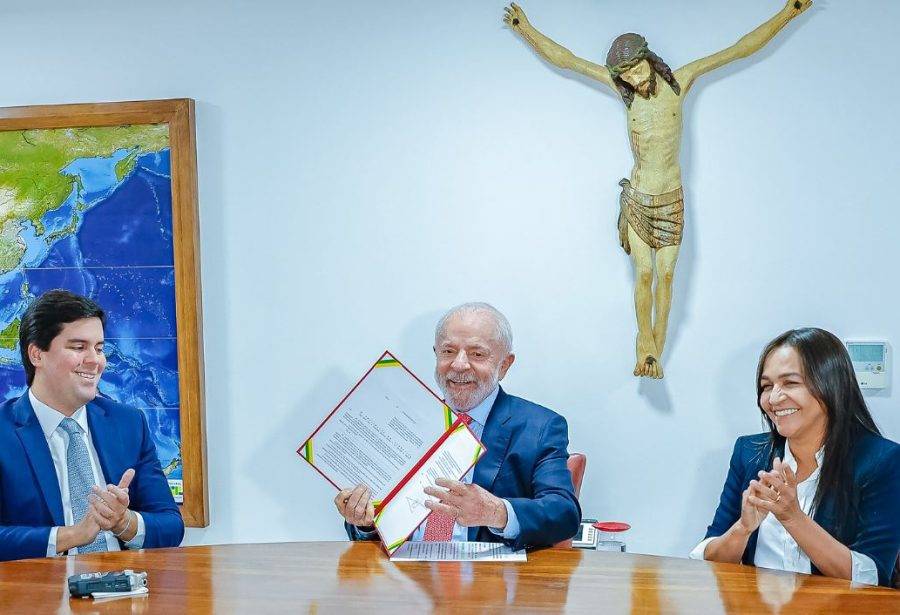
(364, 165)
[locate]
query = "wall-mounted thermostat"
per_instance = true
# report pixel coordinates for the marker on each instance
(870, 362)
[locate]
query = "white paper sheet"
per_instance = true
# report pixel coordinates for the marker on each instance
(110, 596)
(457, 552)
(406, 510)
(379, 431)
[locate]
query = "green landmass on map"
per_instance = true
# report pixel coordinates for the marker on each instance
(68, 229)
(11, 247)
(9, 337)
(31, 161)
(126, 165)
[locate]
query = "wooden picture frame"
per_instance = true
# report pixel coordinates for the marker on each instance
(178, 114)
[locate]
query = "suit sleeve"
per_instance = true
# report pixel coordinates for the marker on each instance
(356, 533)
(21, 541)
(150, 496)
(879, 516)
(729, 509)
(553, 513)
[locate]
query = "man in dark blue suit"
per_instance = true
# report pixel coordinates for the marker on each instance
(62, 447)
(520, 492)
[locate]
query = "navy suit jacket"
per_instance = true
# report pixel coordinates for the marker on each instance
(30, 502)
(874, 532)
(525, 463)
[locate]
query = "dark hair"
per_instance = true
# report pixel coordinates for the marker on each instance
(658, 66)
(829, 375)
(45, 317)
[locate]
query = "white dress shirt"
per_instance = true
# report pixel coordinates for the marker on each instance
(776, 548)
(58, 441)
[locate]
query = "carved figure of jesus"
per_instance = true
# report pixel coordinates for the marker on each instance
(651, 216)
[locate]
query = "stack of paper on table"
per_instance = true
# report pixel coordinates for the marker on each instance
(457, 552)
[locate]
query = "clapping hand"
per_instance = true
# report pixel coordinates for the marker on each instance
(776, 492)
(109, 505)
(751, 515)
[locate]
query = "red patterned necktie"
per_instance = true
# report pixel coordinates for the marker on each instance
(439, 527)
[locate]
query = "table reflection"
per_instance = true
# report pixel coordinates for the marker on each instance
(645, 595)
(472, 586)
(776, 592)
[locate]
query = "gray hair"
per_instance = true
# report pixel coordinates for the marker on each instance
(504, 331)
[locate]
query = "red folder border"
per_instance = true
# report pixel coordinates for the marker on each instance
(418, 465)
(384, 355)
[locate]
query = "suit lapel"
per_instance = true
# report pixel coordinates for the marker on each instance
(35, 444)
(103, 436)
(495, 437)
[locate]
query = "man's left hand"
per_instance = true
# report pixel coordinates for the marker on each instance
(109, 505)
(469, 505)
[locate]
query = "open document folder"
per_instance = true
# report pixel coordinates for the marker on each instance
(392, 433)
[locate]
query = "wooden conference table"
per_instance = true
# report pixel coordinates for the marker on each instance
(327, 577)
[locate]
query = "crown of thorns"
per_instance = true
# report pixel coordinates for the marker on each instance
(626, 51)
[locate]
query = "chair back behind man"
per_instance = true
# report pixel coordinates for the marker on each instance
(576, 464)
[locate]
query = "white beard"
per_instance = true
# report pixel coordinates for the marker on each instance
(469, 401)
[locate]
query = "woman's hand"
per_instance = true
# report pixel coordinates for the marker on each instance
(730, 546)
(776, 492)
(751, 515)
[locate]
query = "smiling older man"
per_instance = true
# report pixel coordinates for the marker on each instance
(520, 492)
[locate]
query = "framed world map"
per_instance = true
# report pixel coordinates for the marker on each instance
(101, 199)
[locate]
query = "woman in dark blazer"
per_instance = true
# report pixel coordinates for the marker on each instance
(820, 492)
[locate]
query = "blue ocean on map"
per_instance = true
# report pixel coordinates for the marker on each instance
(59, 217)
(111, 239)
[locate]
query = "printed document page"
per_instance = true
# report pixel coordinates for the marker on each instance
(406, 509)
(379, 431)
(457, 552)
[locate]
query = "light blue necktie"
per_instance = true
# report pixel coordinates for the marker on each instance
(81, 479)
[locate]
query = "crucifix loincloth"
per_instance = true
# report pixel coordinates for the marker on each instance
(658, 219)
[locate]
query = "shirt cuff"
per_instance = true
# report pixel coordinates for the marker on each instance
(364, 533)
(138, 541)
(863, 569)
(700, 549)
(512, 529)
(51, 543)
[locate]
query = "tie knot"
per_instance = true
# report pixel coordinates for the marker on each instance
(70, 426)
(464, 417)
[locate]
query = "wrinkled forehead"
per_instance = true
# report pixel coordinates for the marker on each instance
(476, 328)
